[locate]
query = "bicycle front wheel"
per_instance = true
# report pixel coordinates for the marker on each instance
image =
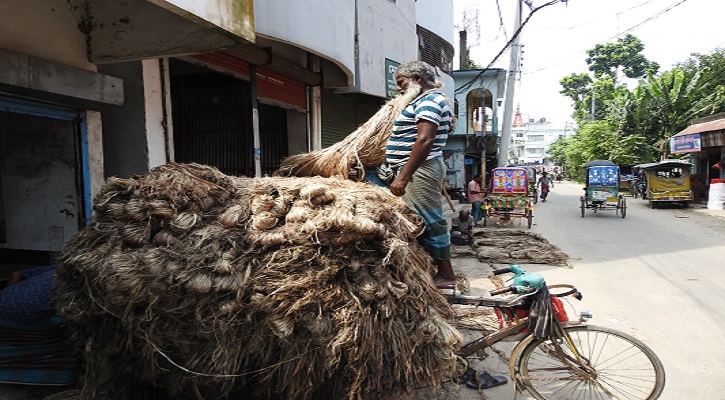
(617, 366)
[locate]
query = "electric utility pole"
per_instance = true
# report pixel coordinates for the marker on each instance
(515, 62)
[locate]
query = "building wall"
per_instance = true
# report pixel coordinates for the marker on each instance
(125, 137)
(538, 138)
(45, 29)
(436, 16)
(386, 29)
(326, 28)
(488, 82)
(297, 140)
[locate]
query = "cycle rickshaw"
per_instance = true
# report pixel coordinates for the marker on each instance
(602, 189)
(532, 188)
(509, 196)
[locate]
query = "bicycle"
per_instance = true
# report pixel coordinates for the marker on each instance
(574, 360)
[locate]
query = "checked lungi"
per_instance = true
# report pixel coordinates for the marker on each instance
(423, 195)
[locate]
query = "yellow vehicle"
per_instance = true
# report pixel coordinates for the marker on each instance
(667, 181)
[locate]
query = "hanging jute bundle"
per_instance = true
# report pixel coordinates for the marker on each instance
(188, 283)
(347, 158)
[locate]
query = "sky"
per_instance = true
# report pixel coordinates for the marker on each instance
(556, 38)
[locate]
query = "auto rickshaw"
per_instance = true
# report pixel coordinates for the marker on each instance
(602, 189)
(668, 181)
(508, 198)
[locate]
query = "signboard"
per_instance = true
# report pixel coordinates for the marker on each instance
(391, 88)
(685, 143)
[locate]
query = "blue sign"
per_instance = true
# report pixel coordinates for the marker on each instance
(685, 143)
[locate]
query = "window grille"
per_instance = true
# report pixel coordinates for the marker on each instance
(435, 50)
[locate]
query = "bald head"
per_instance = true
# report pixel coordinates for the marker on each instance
(463, 215)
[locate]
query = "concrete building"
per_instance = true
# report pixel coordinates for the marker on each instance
(475, 137)
(98, 88)
(538, 137)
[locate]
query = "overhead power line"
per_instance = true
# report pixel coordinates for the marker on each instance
(470, 83)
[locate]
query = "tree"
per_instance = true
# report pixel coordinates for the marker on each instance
(712, 80)
(673, 101)
(576, 86)
(658, 108)
(625, 55)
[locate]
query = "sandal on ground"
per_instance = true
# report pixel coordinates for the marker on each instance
(484, 380)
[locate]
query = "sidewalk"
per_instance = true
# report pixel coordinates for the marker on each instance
(702, 209)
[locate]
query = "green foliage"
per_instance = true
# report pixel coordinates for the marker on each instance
(626, 54)
(576, 86)
(712, 80)
(634, 126)
(470, 64)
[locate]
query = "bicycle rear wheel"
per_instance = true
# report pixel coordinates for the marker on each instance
(624, 367)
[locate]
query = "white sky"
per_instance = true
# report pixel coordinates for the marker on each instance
(556, 39)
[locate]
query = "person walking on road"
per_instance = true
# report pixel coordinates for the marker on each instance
(415, 153)
(546, 183)
(475, 197)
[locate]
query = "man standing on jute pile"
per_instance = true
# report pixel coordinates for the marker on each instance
(415, 153)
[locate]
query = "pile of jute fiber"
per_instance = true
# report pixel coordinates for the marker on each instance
(188, 283)
(348, 158)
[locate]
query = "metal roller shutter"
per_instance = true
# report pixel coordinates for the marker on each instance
(270, 84)
(341, 115)
(338, 117)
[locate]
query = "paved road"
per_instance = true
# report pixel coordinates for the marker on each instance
(656, 274)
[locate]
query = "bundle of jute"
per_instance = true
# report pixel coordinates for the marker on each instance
(189, 283)
(348, 158)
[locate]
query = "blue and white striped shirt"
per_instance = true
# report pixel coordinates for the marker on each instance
(431, 106)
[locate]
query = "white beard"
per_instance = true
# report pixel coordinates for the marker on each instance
(411, 92)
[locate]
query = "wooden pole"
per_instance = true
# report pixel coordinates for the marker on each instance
(445, 192)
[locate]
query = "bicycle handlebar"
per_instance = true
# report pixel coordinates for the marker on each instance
(522, 290)
(501, 291)
(502, 271)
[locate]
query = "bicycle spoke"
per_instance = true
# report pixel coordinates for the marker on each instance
(603, 364)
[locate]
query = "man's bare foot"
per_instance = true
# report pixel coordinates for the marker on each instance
(440, 281)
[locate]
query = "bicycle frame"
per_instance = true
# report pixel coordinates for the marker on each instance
(574, 359)
(518, 326)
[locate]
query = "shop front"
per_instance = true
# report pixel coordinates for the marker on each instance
(704, 141)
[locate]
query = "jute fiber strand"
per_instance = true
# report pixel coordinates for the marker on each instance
(188, 283)
(363, 147)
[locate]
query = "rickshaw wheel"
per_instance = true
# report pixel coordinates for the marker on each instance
(623, 206)
(485, 219)
(530, 217)
(536, 196)
(583, 205)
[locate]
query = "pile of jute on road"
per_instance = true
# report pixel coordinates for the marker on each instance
(192, 284)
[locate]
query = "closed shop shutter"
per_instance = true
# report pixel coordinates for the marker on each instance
(338, 117)
(275, 86)
(341, 115)
(271, 85)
